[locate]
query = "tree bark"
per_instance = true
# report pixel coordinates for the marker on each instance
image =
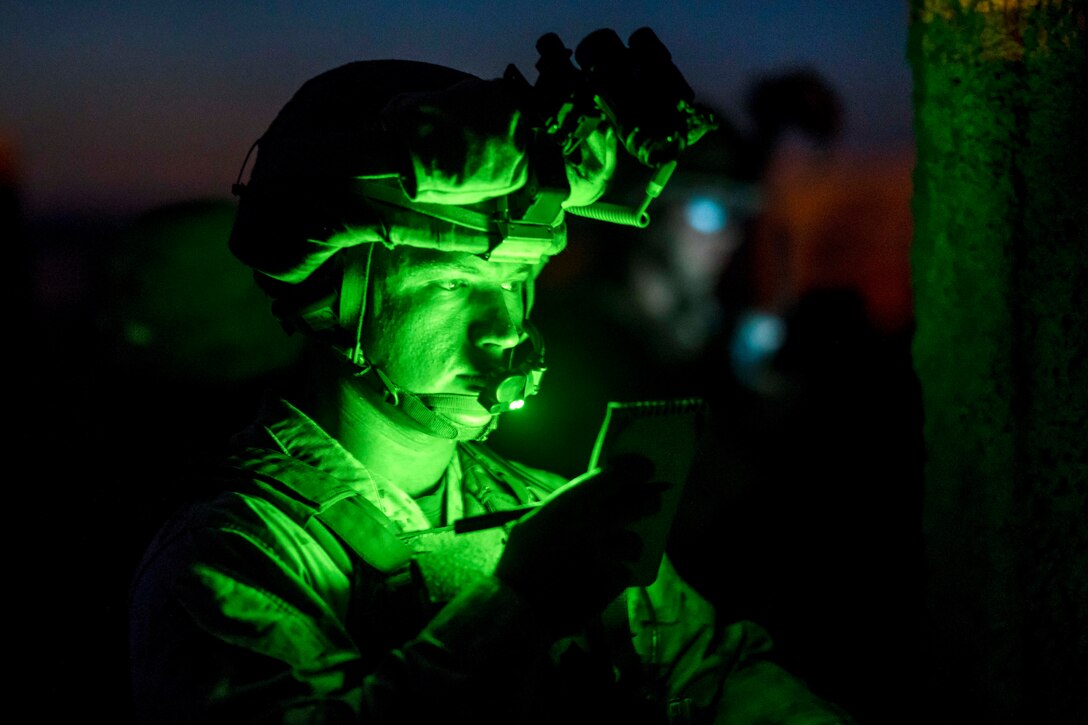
(999, 274)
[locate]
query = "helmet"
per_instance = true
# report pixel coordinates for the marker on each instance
(402, 153)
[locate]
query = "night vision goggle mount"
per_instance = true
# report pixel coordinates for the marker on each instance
(634, 87)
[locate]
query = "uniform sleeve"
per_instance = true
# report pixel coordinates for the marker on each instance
(723, 671)
(243, 622)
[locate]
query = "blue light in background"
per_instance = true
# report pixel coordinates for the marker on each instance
(706, 215)
(758, 336)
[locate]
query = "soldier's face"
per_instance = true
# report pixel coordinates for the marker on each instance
(439, 322)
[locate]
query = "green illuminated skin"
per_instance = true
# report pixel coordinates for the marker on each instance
(441, 319)
(436, 324)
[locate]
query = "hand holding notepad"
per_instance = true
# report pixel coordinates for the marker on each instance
(667, 432)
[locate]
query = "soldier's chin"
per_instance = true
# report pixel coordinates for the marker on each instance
(469, 426)
(462, 409)
(470, 419)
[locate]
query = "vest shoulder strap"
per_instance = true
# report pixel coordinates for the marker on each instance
(358, 522)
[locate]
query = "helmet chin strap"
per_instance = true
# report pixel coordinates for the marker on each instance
(427, 409)
(439, 405)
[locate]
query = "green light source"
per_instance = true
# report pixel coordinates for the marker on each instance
(505, 394)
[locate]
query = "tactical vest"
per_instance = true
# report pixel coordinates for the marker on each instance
(408, 577)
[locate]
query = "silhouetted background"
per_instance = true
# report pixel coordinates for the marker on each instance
(773, 281)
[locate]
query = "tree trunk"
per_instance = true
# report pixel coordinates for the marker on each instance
(999, 275)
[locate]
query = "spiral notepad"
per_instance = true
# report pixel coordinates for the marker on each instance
(668, 432)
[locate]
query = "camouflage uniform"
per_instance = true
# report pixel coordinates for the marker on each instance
(309, 591)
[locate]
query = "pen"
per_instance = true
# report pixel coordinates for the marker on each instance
(490, 520)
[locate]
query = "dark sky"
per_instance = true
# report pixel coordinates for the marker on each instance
(116, 106)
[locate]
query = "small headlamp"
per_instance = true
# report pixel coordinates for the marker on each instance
(504, 393)
(508, 389)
